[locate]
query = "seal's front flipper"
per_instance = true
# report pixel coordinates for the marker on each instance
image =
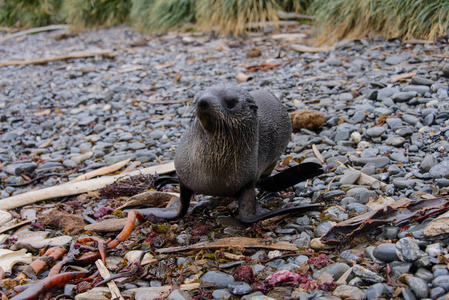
(174, 211)
(250, 211)
(290, 177)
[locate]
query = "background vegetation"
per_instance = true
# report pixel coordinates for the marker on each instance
(334, 19)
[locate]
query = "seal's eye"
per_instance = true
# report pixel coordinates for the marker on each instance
(231, 102)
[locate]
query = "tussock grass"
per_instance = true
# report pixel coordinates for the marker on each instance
(230, 16)
(30, 13)
(162, 15)
(297, 6)
(341, 19)
(84, 14)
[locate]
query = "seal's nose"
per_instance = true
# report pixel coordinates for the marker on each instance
(203, 102)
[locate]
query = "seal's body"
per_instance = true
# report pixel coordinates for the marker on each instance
(235, 139)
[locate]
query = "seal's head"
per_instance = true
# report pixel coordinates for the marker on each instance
(224, 106)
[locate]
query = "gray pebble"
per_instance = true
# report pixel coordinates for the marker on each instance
(336, 269)
(219, 279)
(386, 252)
(407, 249)
(418, 286)
(240, 288)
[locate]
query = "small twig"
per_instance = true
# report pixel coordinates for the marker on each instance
(318, 154)
(38, 61)
(153, 117)
(167, 101)
(17, 225)
(34, 30)
(104, 272)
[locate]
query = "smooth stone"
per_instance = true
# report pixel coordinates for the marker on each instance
(346, 97)
(357, 207)
(445, 70)
(440, 170)
(375, 131)
(408, 294)
(386, 252)
(333, 195)
(219, 279)
(336, 269)
(441, 281)
(412, 120)
(362, 194)
(434, 249)
(427, 163)
(399, 267)
(19, 168)
(386, 92)
(379, 162)
(240, 288)
(221, 294)
(403, 96)
(369, 169)
(323, 228)
(437, 292)
(179, 295)
(421, 89)
(348, 292)
(404, 132)
(378, 290)
(401, 183)
(407, 249)
(350, 177)
(417, 80)
(390, 232)
(395, 156)
(424, 274)
(418, 286)
(395, 142)
(440, 270)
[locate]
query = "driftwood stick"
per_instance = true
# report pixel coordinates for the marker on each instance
(104, 272)
(238, 242)
(34, 30)
(102, 171)
(38, 61)
(76, 188)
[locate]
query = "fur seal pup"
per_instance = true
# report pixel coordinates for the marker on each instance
(235, 139)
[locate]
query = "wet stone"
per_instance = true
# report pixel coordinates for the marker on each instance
(350, 177)
(221, 294)
(437, 292)
(179, 295)
(442, 282)
(421, 89)
(333, 195)
(399, 267)
(424, 274)
(336, 269)
(375, 131)
(440, 170)
(408, 294)
(378, 290)
(367, 275)
(439, 270)
(418, 286)
(386, 252)
(395, 142)
(390, 232)
(219, 279)
(348, 292)
(407, 249)
(403, 96)
(240, 288)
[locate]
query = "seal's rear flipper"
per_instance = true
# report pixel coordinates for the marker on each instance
(175, 211)
(250, 211)
(290, 177)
